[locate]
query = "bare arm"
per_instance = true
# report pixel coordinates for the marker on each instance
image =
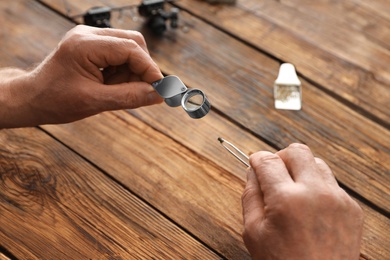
(92, 70)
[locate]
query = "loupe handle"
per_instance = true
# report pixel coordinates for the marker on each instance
(175, 93)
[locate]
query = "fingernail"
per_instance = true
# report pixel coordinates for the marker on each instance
(154, 98)
(150, 89)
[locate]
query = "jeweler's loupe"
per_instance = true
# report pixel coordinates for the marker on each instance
(175, 93)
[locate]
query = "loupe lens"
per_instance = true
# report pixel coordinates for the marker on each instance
(195, 103)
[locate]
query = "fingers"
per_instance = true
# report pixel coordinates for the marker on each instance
(270, 170)
(94, 48)
(125, 96)
(326, 172)
(252, 199)
(125, 34)
(119, 74)
(304, 167)
(123, 51)
(299, 161)
(296, 163)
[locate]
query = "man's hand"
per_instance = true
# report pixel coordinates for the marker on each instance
(92, 70)
(294, 209)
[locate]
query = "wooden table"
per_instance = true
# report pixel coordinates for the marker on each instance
(154, 183)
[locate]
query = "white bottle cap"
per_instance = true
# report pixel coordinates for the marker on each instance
(287, 75)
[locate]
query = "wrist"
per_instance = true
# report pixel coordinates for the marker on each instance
(13, 107)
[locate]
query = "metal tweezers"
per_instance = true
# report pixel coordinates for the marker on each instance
(243, 158)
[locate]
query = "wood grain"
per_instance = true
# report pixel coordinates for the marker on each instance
(343, 47)
(238, 80)
(338, 54)
(25, 36)
(55, 205)
(184, 185)
(63, 223)
(174, 163)
(181, 182)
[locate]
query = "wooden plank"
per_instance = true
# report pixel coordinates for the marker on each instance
(190, 189)
(371, 20)
(238, 81)
(55, 205)
(385, 227)
(236, 69)
(23, 58)
(378, 7)
(169, 41)
(25, 36)
(340, 60)
(183, 183)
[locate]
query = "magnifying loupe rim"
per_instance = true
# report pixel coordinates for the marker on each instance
(203, 108)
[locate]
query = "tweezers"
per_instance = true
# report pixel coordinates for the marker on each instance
(242, 157)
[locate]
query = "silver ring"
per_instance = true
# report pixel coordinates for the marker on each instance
(195, 103)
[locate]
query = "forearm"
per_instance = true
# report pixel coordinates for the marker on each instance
(12, 90)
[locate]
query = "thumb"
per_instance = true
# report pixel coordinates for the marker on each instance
(127, 95)
(252, 200)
